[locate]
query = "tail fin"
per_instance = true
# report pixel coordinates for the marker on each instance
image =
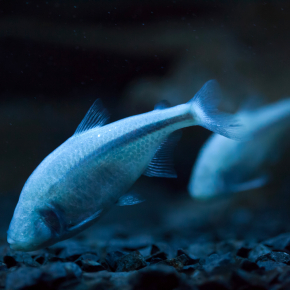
(204, 107)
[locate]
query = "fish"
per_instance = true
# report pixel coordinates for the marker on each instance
(225, 166)
(95, 168)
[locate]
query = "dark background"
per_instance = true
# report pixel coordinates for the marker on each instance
(57, 57)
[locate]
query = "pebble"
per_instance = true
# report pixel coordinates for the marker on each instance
(130, 262)
(112, 258)
(73, 251)
(202, 250)
(227, 265)
(279, 257)
(258, 251)
(279, 242)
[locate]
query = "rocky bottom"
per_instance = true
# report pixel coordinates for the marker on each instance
(189, 246)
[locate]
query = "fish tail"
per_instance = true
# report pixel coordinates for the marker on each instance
(204, 108)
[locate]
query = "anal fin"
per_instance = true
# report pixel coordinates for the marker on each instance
(129, 199)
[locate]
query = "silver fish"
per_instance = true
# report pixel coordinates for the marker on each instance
(225, 166)
(80, 180)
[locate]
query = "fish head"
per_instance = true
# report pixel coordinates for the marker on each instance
(32, 227)
(216, 169)
(208, 185)
(209, 179)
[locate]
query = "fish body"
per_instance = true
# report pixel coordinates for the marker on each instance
(225, 166)
(80, 180)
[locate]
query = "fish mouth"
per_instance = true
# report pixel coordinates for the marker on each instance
(20, 247)
(11, 241)
(15, 245)
(26, 247)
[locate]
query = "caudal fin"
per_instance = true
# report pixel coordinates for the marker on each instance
(204, 107)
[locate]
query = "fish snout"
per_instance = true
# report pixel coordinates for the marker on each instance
(13, 244)
(11, 241)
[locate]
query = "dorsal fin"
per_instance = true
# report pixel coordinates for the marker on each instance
(97, 116)
(162, 163)
(162, 105)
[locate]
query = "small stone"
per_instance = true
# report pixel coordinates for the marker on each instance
(44, 258)
(91, 257)
(191, 257)
(46, 276)
(190, 269)
(156, 258)
(89, 265)
(112, 258)
(257, 252)
(280, 257)
(54, 272)
(145, 252)
(130, 262)
(72, 270)
(165, 248)
(154, 250)
(270, 265)
(23, 278)
(199, 276)
(16, 258)
(202, 250)
(228, 246)
(215, 261)
(179, 262)
(73, 251)
(280, 242)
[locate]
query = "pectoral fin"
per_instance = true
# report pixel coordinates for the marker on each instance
(251, 184)
(92, 217)
(161, 164)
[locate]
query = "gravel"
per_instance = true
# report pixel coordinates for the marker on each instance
(175, 254)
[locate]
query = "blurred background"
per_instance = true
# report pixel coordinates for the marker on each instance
(57, 57)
